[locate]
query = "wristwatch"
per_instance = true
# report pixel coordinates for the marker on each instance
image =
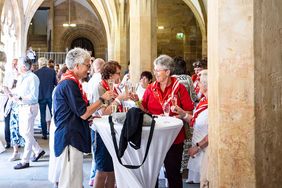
(198, 146)
(102, 100)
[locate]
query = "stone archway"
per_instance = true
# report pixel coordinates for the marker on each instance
(11, 28)
(197, 10)
(102, 11)
(84, 43)
(97, 39)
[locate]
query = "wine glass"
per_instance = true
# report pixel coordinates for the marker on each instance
(166, 109)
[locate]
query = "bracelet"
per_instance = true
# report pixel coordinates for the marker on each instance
(198, 146)
(186, 116)
(118, 101)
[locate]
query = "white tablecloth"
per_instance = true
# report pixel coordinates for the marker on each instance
(166, 130)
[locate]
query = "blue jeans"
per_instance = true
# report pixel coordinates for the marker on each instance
(42, 107)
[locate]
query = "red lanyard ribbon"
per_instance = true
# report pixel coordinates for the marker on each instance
(69, 75)
(203, 105)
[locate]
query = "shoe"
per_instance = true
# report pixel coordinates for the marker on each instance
(21, 166)
(44, 137)
(35, 159)
(15, 156)
(91, 182)
(7, 146)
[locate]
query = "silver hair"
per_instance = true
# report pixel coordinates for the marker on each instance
(42, 62)
(76, 56)
(166, 62)
(25, 61)
(204, 78)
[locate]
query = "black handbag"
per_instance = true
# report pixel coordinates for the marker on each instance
(153, 122)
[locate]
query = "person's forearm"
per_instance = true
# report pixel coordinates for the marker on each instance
(204, 142)
(91, 109)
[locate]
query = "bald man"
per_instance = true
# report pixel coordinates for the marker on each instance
(95, 79)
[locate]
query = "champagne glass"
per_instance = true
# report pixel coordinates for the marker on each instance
(113, 108)
(174, 100)
(111, 85)
(125, 108)
(127, 87)
(166, 109)
(133, 88)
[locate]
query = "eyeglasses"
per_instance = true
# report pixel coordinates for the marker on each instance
(159, 70)
(118, 73)
(87, 65)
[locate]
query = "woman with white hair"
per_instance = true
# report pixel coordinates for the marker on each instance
(166, 91)
(71, 111)
(199, 121)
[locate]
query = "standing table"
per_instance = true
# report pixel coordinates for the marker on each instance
(166, 130)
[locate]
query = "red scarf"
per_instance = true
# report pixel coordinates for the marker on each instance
(171, 91)
(105, 85)
(203, 105)
(69, 75)
(194, 77)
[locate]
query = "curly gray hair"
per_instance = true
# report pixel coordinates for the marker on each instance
(76, 56)
(166, 62)
(204, 78)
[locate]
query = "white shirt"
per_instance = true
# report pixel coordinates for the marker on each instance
(30, 54)
(92, 88)
(28, 88)
(140, 91)
(10, 76)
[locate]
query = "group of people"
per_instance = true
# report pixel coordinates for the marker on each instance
(22, 87)
(74, 103)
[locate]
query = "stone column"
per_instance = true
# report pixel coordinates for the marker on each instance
(50, 30)
(121, 35)
(245, 103)
(143, 36)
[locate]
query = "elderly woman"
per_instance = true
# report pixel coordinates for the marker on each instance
(198, 67)
(199, 120)
(71, 111)
(110, 73)
(159, 93)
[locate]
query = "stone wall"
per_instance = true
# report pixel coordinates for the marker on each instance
(268, 92)
(245, 132)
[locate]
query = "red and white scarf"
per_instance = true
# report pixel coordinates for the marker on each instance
(69, 75)
(203, 105)
(168, 95)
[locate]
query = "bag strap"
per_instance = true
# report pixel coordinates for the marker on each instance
(116, 146)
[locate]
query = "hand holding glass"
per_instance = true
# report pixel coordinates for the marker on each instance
(166, 108)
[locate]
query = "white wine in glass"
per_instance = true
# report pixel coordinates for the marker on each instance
(111, 85)
(166, 109)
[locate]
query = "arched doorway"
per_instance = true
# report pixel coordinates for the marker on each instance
(83, 43)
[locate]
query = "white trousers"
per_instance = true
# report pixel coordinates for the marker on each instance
(27, 114)
(71, 170)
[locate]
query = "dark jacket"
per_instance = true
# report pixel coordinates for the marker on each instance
(131, 131)
(48, 81)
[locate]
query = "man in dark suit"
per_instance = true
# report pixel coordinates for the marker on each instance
(48, 81)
